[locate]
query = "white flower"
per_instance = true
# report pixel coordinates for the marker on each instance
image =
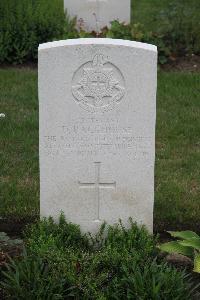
(2, 115)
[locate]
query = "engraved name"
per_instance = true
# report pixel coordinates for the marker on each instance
(93, 137)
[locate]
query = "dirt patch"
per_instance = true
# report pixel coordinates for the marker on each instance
(189, 63)
(28, 65)
(15, 227)
(162, 228)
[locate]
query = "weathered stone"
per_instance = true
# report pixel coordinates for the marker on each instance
(97, 130)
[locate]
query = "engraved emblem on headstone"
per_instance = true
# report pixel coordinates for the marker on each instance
(98, 85)
(97, 185)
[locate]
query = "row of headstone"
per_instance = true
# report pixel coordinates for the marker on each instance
(97, 131)
(93, 15)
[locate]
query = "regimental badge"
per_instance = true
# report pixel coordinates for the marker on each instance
(98, 85)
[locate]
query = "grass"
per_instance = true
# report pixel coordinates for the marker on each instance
(19, 187)
(147, 12)
(177, 157)
(178, 150)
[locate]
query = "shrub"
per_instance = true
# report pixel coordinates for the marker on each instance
(136, 32)
(117, 263)
(47, 235)
(25, 24)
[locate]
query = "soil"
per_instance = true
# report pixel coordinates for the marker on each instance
(188, 63)
(27, 65)
(15, 227)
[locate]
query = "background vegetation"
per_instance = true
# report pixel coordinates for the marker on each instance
(25, 24)
(174, 26)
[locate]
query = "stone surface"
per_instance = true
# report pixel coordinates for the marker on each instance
(96, 14)
(97, 130)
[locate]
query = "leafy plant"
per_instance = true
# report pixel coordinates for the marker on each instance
(32, 278)
(136, 32)
(188, 245)
(48, 235)
(152, 281)
(117, 263)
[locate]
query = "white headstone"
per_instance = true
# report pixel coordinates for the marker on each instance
(97, 131)
(96, 14)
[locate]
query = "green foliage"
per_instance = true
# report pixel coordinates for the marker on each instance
(25, 24)
(136, 32)
(47, 235)
(189, 245)
(32, 278)
(168, 46)
(184, 234)
(151, 281)
(176, 247)
(116, 263)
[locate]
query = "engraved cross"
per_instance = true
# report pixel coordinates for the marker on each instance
(97, 185)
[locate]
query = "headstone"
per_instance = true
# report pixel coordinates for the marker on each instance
(96, 14)
(97, 131)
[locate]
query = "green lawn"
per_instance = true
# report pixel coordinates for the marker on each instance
(177, 200)
(148, 12)
(178, 150)
(19, 187)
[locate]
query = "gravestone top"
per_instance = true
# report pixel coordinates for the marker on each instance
(98, 41)
(97, 131)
